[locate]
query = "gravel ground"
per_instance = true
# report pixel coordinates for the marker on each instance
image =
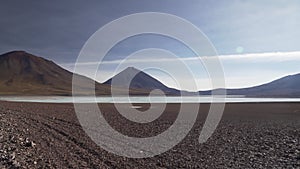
(250, 135)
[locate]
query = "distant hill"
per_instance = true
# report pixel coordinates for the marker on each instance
(288, 86)
(141, 80)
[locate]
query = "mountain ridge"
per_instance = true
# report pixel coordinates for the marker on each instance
(22, 73)
(287, 86)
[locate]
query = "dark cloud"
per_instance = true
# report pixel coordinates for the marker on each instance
(58, 29)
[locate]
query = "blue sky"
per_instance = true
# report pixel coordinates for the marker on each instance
(251, 37)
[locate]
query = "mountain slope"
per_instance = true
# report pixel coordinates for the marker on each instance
(288, 86)
(141, 80)
(22, 73)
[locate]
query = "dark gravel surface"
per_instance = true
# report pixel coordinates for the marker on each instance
(250, 135)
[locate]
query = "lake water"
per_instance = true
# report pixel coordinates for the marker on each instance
(155, 99)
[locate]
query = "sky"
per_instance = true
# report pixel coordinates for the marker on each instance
(257, 41)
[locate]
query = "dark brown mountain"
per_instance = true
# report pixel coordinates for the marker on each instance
(22, 73)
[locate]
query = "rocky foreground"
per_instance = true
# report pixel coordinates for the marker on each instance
(264, 135)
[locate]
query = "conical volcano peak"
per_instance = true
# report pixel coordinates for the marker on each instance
(131, 69)
(138, 79)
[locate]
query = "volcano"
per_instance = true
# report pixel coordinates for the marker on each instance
(22, 73)
(137, 79)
